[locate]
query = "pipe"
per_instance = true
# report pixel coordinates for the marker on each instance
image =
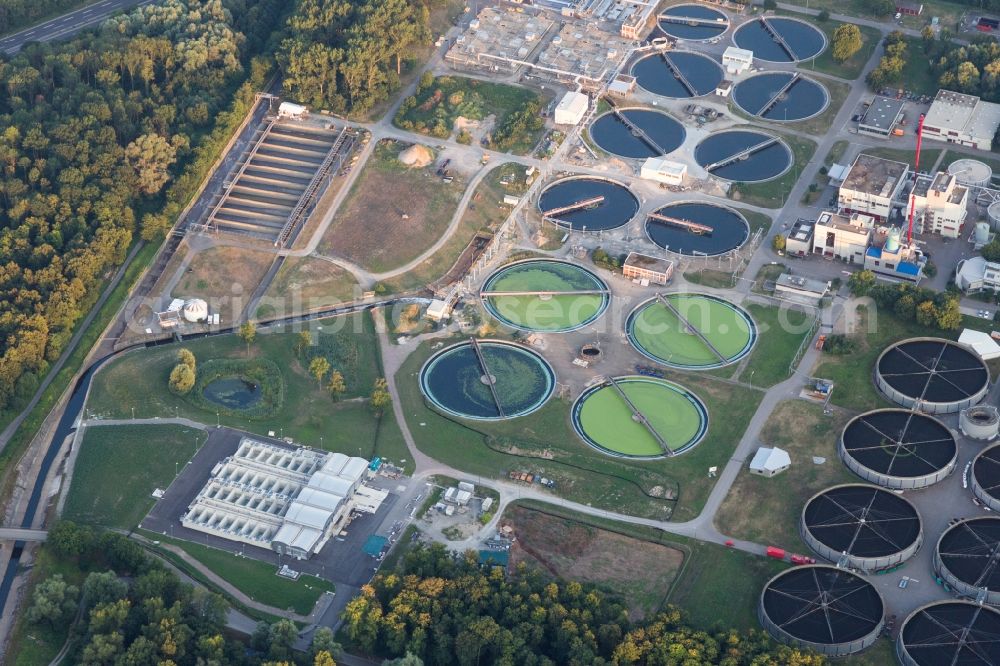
(916, 170)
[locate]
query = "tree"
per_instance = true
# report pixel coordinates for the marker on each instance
(248, 333)
(155, 226)
(846, 41)
(302, 341)
(991, 251)
(182, 379)
(380, 397)
(187, 358)
(323, 658)
(778, 243)
(823, 16)
(150, 155)
(408, 659)
(53, 601)
(861, 282)
(335, 385)
(100, 588)
(927, 314)
(68, 539)
(323, 641)
(281, 637)
(318, 367)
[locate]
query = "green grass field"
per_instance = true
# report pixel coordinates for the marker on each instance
(781, 333)
(661, 334)
(607, 419)
(258, 580)
(118, 468)
(136, 385)
(550, 312)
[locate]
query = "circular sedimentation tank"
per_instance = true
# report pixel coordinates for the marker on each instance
(693, 23)
(950, 632)
(678, 74)
(869, 528)
(985, 477)
(967, 558)
(640, 417)
(822, 608)
(584, 203)
(780, 39)
(487, 380)
(746, 156)
(898, 449)
(932, 374)
(781, 96)
(658, 133)
(718, 230)
(545, 295)
(971, 173)
(691, 331)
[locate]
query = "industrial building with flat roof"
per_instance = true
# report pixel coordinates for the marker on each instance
(799, 239)
(871, 186)
(963, 119)
(644, 267)
(882, 117)
(287, 499)
(798, 288)
(843, 237)
(939, 204)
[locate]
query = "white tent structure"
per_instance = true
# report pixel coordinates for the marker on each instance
(770, 461)
(981, 343)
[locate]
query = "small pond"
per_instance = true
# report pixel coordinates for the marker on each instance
(233, 392)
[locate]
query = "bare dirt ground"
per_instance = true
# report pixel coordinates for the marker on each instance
(306, 283)
(393, 212)
(225, 277)
(638, 571)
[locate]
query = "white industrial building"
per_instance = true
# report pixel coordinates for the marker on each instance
(976, 274)
(939, 205)
(288, 500)
(800, 289)
(737, 60)
(843, 237)
(571, 108)
(662, 170)
(871, 186)
(982, 343)
(963, 119)
(770, 461)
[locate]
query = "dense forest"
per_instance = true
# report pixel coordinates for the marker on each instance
(129, 610)
(346, 56)
(445, 609)
(94, 131)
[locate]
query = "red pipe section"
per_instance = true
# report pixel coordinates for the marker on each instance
(916, 170)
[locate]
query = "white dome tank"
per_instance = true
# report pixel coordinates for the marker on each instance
(971, 173)
(993, 213)
(195, 310)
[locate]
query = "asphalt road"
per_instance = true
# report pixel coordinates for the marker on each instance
(67, 24)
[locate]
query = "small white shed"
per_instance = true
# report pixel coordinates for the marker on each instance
(769, 461)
